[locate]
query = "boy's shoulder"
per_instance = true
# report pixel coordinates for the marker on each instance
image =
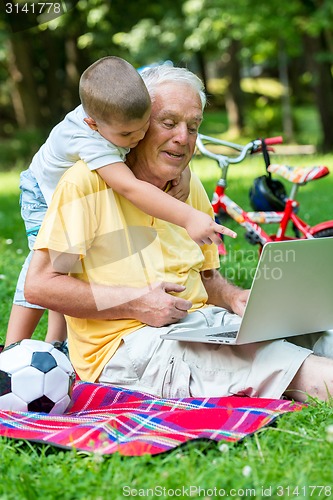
(71, 125)
(74, 117)
(83, 178)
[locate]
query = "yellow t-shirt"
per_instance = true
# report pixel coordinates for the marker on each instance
(119, 245)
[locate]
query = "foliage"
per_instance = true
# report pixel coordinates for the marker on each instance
(18, 149)
(40, 66)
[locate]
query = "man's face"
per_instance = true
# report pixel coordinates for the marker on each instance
(169, 143)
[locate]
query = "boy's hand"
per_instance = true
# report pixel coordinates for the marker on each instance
(203, 230)
(181, 185)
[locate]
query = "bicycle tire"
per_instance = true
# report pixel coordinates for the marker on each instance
(324, 233)
(223, 216)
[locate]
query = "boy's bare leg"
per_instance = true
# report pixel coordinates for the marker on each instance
(314, 379)
(22, 323)
(57, 328)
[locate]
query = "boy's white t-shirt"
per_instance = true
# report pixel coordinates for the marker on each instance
(69, 141)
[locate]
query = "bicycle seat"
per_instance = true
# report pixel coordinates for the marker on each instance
(299, 175)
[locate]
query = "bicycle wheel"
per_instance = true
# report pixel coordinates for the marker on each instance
(222, 216)
(324, 233)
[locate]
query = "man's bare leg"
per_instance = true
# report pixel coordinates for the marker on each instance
(314, 379)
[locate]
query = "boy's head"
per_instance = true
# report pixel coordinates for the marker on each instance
(116, 101)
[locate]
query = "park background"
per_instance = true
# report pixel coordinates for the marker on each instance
(267, 67)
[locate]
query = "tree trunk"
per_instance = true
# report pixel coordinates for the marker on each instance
(287, 120)
(234, 93)
(320, 67)
(24, 95)
(202, 68)
(72, 73)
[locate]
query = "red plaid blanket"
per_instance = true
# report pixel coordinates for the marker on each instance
(106, 419)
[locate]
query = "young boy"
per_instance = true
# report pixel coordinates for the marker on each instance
(113, 117)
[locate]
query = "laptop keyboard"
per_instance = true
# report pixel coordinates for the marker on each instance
(229, 335)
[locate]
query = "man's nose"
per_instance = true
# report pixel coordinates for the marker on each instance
(182, 134)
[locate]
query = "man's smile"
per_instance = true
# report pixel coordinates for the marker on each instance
(174, 154)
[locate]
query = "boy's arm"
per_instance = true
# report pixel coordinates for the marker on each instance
(155, 202)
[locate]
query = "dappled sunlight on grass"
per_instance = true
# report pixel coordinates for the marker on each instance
(264, 86)
(9, 183)
(268, 87)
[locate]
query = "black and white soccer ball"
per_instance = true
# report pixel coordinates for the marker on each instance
(35, 376)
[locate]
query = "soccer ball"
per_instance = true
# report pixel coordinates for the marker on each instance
(35, 376)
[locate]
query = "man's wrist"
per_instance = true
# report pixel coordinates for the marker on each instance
(232, 294)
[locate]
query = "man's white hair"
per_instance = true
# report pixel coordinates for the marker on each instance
(157, 75)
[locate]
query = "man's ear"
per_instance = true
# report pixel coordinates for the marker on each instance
(91, 123)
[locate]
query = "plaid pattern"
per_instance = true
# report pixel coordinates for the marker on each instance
(107, 419)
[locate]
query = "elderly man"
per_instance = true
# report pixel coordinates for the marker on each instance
(122, 277)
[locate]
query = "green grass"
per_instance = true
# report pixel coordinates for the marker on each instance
(297, 452)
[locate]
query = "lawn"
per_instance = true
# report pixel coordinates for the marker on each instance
(293, 458)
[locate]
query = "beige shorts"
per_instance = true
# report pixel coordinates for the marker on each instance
(172, 369)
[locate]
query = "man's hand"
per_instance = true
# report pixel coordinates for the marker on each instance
(238, 301)
(180, 187)
(203, 230)
(159, 307)
(224, 294)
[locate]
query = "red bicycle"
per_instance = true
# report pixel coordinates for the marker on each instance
(268, 196)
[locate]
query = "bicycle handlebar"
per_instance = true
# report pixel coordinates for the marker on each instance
(274, 140)
(224, 160)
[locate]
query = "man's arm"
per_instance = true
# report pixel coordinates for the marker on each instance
(224, 294)
(48, 285)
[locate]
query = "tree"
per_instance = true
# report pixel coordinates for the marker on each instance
(40, 67)
(318, 43)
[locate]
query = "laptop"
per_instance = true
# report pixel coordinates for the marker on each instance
(291, 294)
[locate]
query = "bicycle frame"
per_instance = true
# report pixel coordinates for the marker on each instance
(251, 221)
